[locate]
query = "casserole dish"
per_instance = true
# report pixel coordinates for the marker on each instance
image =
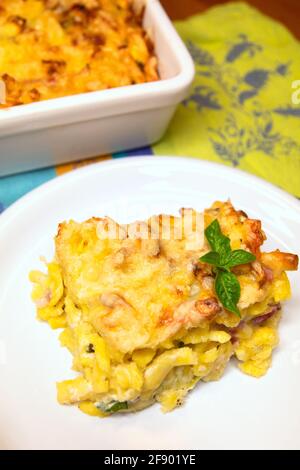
(60, 130)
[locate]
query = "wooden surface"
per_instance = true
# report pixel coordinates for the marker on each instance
(286, 11)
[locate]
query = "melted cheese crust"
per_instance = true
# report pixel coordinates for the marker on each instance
(55, 48)
(141, 317)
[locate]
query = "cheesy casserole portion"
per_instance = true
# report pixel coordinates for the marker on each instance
(141, 317)
(55, 48)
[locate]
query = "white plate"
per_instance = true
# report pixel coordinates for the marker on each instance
(237, 412)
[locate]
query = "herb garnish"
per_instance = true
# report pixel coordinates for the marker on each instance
(113, 407)
(223, 258)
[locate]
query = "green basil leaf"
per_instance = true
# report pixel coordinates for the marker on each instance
(211, 258)
(213, 234)
(118, 406)
(228, 290)
(218, 242)
(238, 257)
(113, 407)
(224, 251)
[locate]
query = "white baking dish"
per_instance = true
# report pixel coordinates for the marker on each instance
(60, 130)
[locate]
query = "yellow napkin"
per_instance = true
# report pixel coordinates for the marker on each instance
(240, 110)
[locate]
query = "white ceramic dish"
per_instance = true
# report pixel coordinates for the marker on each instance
(237, 412)
(71, 128)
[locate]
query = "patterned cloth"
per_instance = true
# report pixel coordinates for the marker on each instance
(240, 109)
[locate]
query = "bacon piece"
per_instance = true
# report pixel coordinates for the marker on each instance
(269, 314)
(268, 274)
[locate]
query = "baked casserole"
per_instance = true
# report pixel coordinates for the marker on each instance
(142, 312)
(55, 48)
